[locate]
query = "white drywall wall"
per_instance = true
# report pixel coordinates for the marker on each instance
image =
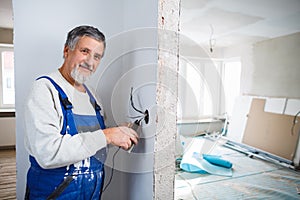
(276, 67)
(40, 29)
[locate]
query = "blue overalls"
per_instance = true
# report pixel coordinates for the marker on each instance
(73, 182)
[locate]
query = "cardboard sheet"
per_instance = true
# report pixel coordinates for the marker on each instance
(271, 132)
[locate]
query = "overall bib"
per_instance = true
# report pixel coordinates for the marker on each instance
(83, 180)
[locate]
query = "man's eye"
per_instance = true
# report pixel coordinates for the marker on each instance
(97, 57)
(85, 51)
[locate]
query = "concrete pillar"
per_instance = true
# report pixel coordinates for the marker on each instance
(166, 99)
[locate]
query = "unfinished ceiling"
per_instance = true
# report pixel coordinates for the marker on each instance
(224, 23)
(230, 22)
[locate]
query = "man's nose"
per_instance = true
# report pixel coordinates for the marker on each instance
(89, 59)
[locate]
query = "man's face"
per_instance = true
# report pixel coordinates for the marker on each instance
(83, 61)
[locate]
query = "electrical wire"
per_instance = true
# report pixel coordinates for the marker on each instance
(132, 104)
(112, 170)
(294, 122)
(212, 41)
(190, 186)
(145, 115)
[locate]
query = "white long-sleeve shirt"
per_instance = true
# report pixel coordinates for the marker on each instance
(44, 121)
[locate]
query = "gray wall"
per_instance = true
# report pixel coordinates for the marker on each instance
(133, 55)
(38, 50)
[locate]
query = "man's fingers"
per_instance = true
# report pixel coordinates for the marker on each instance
(130, 132)
(126, 145)
(134, 132)
(121, 136)
(134, 140)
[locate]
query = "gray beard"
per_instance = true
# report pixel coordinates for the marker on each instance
(79, 78)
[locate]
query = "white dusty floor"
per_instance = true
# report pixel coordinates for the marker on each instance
(253, 178)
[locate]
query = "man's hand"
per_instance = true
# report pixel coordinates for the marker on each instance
(121, 136)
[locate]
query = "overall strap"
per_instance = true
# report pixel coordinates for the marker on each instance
(66, 106)
(97, 108)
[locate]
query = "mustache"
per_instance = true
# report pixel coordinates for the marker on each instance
(86, 66)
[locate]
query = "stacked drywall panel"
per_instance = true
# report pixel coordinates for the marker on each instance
(268, 124)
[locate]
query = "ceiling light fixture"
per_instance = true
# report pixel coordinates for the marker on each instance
(212, 41)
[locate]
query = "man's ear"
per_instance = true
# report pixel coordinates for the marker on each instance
(66, 51)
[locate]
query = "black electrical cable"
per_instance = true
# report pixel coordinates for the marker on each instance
(112, 170)
(145, 115)
(132, 104)
(294, 122)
